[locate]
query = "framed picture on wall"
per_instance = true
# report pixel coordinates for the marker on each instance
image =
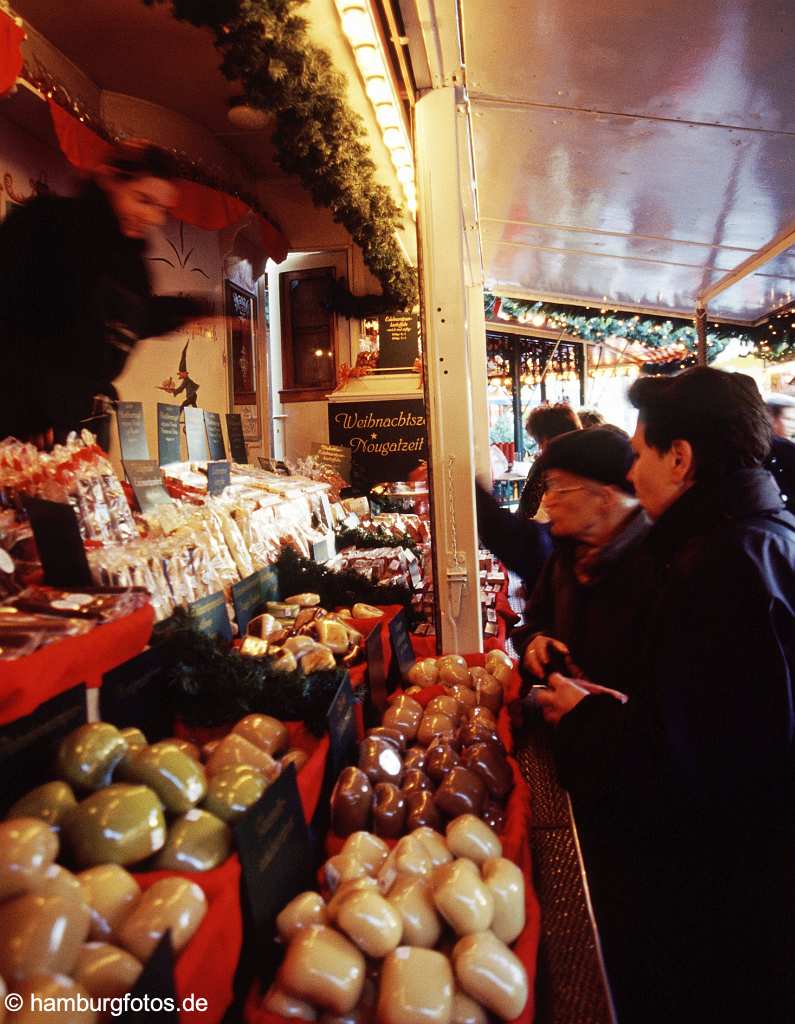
(241, 317)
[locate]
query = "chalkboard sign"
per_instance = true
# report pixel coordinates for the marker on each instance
(215, 437)
(198, 450)
(376, 670)
(133, 694)
(387, 439)
(398, 340)
(147, 483)
(342, 728)
(218, 477)
(273, 846)
(250, 595)
(169, 448)
(27, 745)
(153, 997)
(58, 542)
(402, 651)
(132, 430)
(210, 617)
(237, 444)
(336, 457)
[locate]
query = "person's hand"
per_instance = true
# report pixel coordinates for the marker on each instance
(562, 694)
(536, 655)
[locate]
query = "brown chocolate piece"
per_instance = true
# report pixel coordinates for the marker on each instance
(389, 811)
(494, 816)
(380, 760)
(439, 760)
(477, 732)
(462, 792)
(421, 810)
(414, 758)
(393, 736)
(483, 714)
(491, 766)
(415, 781)
(351, 802)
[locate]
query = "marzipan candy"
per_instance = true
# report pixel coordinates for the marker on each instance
(172, 903)
(506, 882)
(232, 790)
(434, 844)
(452, 673)
(467, 1011)
(351, 801)
(368, 849)
(423, 673)
(234, 749)
(461, 792)
(305, 909)
(198, 841)
(49, 802)
(56, 881)
(283, 660)
(266, 627)
(489, 692)
(333, 634)
(177, 779)
(185, 746)
(120, 824)
(500, 665)
(57, 988)
(416, 985)
(444, 705)
(88, 755)
(41, 934)
(254, 647)
(468, 836)
(404, 714)
(106, 971)
(319, 659)
(110, 892)
(283, 610)
(299, 645)
(413, 900)
(27, 848)
(346, 889)
(284, 1005)
(491, 974)
(371, 922)
(462, 898)
(366, 611)
(303, 600)
(463, 694)
(343, 867)
(265, 732)
(324, 968)
(433, 725)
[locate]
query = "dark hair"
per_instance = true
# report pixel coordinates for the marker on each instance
(720, 414)
(136, 158)
(547, 421)
(590, 418)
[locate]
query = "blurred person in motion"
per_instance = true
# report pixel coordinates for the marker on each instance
(75, 294)
(520, 542)
(689, 783)
(781, 460)
(590, 418)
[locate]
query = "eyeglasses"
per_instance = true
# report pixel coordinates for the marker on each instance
(553, 492)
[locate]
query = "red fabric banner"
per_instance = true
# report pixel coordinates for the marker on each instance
(198, 205)
(11, 36)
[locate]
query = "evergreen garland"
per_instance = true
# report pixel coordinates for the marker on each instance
(298, 575)
(266, 50)
(211, 684)
(376, 538)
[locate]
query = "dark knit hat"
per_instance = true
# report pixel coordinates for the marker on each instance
(603, 454)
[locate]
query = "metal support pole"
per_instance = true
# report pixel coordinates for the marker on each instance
(701, 333)
(451, 294)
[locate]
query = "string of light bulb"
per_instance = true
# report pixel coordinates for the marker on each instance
(361, 32)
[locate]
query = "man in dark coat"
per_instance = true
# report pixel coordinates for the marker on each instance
(75, 295)
(691, 779)
(781, 460)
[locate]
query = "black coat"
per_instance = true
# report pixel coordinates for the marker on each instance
(75, 298)
(522, 545)
(686, 792)
(593, 619)
(781, 463)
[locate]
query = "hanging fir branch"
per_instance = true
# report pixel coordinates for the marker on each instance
(266, 50)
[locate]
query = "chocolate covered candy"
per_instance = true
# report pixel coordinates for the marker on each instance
(488, 762)
(440, 759)
(380, 760)
(421, 810)
(351, 801)
(389, 811)
(461, 792)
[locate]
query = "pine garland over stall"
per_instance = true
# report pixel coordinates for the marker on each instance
(266, 51)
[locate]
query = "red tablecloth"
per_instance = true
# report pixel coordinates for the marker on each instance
(25, 683)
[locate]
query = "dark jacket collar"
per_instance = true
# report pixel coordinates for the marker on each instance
(102, 220)
(705, 506)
